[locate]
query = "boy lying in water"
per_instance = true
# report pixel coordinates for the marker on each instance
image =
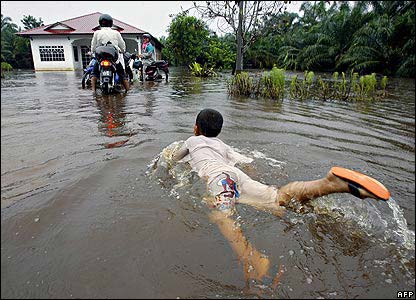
(214, 161)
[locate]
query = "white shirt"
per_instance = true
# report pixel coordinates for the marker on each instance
(209, 156)
(105, 35)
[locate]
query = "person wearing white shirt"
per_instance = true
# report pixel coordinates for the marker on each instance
(103, 36)
(214, 161)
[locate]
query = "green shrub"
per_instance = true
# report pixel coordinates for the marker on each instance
(6, 66)
(271, 85)
(309, 77)
(202, 71)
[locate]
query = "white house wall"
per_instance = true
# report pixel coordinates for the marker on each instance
(67, 65)
(133, 43)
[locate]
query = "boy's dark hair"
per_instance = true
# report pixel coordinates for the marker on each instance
(209, 122)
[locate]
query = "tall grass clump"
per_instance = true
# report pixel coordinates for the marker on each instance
(5, 67)
(241, 85)
(303, 90)
(383, 85)
(272, 84)
(294, 86)
(367, 86)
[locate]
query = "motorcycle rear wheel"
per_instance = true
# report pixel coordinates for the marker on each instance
(105, 88)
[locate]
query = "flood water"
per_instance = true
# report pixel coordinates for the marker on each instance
(82, 216)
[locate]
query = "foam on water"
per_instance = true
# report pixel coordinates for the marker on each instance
(271, 161)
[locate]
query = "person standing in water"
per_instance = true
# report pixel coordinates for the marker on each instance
(148, 51)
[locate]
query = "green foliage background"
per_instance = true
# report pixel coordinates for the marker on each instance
(367, 36)
(190, 41)
(15, 50)
(364, 36)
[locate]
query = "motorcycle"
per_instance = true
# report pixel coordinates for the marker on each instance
(153, 71)
(128, 60)
(86, 77)
(137, 66)
(109, 81)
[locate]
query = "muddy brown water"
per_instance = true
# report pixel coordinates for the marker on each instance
(81, 217)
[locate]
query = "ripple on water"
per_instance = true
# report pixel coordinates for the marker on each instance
(52, 133)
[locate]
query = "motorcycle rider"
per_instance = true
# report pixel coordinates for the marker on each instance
(147, 51)
(101, 37)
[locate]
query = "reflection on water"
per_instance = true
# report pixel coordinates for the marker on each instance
(112, 115)
(112, 118)
(52, 135)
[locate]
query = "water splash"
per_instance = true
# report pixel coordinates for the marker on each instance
(170, 174)
(401, 230)
(371, 217)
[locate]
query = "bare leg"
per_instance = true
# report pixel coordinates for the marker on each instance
(256, 265)
(271, 207)
(307, 190)
(94, 83)
(126, 85)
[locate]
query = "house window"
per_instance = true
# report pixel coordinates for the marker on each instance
(75, 52)
(51, 53)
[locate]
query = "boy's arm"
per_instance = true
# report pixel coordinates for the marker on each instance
(236, 157)
(243, 161)
(180, 153)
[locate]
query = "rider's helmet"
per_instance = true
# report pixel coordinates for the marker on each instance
(146, 35)
(105, 20)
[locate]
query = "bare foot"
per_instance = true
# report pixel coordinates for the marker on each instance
(256, 264)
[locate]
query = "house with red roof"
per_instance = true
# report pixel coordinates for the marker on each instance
(64, 45)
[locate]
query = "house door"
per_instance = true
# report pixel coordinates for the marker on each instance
(84, 56)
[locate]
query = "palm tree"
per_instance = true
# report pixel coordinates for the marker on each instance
(30, 22)
(385, 44)
(370, 51)
(7, 35)
(6, 24)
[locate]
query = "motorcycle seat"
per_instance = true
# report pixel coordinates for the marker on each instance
(137, 64)
(106, 52)
(159, 63)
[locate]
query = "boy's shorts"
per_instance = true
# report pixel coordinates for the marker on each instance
(225, 190)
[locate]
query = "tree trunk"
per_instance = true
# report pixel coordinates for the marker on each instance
(239, 59)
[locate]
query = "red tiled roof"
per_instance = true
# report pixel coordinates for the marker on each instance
(81, 25)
